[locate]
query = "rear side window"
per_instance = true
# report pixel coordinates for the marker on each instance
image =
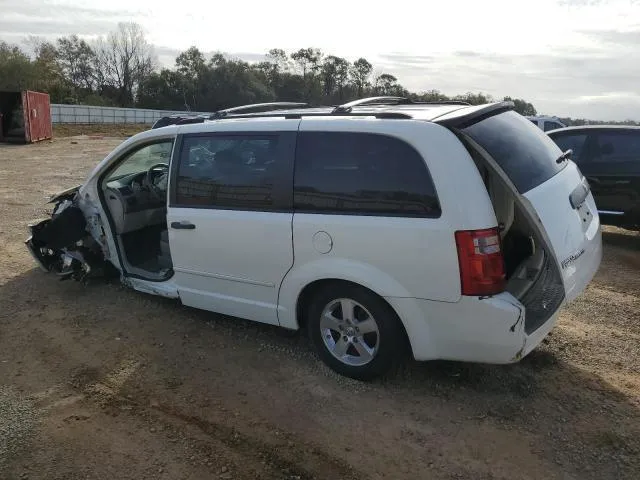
(573, 141)
(616, 147)
(525, 153)
(361, 174)
(220, 171)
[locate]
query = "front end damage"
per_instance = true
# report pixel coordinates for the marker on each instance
(62, 244)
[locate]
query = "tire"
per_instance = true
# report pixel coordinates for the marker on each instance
(364, 344)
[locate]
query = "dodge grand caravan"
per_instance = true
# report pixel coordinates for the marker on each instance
(455, 231)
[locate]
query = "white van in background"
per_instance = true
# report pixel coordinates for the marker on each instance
(546, 123)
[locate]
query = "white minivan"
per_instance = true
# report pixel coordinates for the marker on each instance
(455, 231)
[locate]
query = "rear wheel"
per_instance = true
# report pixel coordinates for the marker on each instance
(354, 331)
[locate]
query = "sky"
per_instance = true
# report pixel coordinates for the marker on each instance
(578, 58)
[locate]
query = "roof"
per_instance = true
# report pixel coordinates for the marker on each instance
(445, 113)
(595, 127)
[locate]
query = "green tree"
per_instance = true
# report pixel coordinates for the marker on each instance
(76, 59)
(334, 73)
(521, 106)
(359, 74)
(16, 70)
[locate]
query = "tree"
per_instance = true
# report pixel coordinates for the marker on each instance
(359, 74)
(387, 84)
(119, 70)
(334, 72)
(278, 58)
(521, 106)
(77, 61)
(307, 60)
(124, 59)
(16, 70)
(191, 67)
(474, 98)
(49, 75)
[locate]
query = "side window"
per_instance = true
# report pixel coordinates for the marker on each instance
(361, 173)
(551, 126)
(616, 146)
(574, 141)
(534, 121)
(234, 171)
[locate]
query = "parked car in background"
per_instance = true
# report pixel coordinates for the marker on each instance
(609, 156)
(545, 123)
(451, 230)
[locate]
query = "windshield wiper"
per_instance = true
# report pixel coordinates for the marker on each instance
(565, 156)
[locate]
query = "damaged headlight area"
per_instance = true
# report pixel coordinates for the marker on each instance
(62, 245)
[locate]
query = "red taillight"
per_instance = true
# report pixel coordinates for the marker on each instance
(481, 262)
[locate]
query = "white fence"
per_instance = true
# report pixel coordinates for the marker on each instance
(90, 114)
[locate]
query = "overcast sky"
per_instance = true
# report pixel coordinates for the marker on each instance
(578, 58)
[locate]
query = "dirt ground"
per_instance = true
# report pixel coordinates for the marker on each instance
(100, 382)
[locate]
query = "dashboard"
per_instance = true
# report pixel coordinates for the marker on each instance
(132, 204)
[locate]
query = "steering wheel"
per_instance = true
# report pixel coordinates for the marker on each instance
(154, 173)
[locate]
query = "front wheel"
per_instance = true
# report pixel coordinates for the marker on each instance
(354, 331)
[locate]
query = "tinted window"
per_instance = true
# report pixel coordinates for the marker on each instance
(227, 171)
(573, 141)
(361, 173)
(551, 126)
(616, 147)
(525, 153)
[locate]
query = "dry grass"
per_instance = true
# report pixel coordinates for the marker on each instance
(108, 130)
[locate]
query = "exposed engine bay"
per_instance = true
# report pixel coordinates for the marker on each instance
(63, 245)
(72, 243)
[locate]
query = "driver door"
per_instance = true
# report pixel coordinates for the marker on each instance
(230, 220)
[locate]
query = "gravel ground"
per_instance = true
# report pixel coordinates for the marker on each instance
(102, 382)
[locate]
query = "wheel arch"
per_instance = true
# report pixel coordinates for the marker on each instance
(300, 283)
(308, 291)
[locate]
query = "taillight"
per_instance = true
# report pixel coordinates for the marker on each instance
(481, 262)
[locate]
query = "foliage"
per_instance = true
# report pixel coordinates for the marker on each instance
(120, 70)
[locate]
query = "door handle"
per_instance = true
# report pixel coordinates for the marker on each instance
(183, 225)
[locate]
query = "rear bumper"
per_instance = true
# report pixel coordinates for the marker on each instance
(490, 330)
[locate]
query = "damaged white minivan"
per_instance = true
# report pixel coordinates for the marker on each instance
(455, 231)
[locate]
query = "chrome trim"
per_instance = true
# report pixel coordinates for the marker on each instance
(220, 276)
(609, 212)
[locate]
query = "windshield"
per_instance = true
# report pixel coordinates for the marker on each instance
(525, 153)
(142, 159)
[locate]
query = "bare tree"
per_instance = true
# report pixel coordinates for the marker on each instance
(124, 59)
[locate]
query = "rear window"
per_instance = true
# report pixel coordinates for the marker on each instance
(571, 141)
(616, 146)
(525, 153)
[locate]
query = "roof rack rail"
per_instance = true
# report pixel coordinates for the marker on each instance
(329, 113)
(386, 100)
(444, 102)
(257, 107)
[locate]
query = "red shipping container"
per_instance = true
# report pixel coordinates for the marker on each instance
(26, 117)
